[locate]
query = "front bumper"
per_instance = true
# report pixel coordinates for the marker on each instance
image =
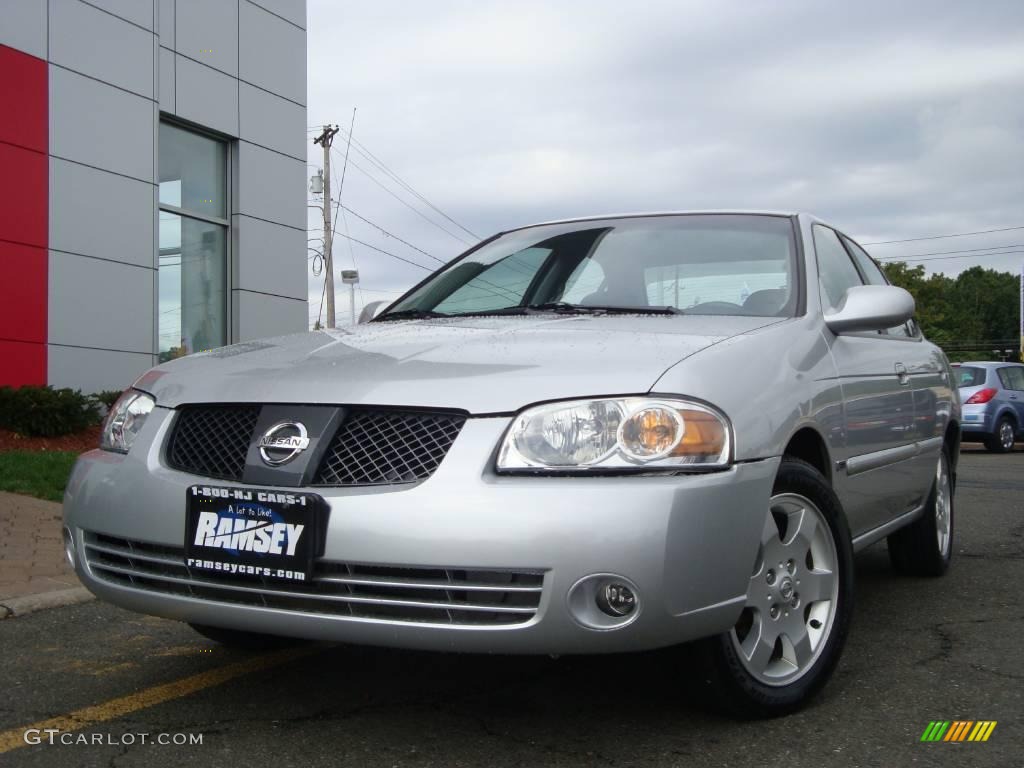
(687, 542)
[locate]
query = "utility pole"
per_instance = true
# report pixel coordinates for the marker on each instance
(325, 139)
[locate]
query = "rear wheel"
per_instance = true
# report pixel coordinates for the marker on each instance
(925, 547)
(1003, 439)
(791, 632)
(237, 638)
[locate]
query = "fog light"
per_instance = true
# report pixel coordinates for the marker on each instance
(604, 601)
(616, 599)
(69, 547)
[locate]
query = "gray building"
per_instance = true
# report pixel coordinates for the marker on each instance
(155, 173)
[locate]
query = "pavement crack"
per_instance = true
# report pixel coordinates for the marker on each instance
(945, 651)
(112, 763)
(996, 672)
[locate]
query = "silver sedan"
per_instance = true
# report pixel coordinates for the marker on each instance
(587, 436)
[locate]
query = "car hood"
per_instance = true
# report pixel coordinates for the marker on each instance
(477, 364)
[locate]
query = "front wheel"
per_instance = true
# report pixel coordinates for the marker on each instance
(799, 602)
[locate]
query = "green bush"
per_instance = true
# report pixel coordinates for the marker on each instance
(107, 397)
(46, 412)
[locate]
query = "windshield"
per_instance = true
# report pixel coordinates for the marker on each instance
(969, 376)
(707, 264)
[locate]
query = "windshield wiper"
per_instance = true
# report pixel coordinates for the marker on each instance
(643, 310)
(561, 307)
(597, 309)
(409, 314)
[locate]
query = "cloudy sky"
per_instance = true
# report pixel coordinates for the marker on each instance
(892, 120)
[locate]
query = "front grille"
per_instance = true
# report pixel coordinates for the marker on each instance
(371, 447)
(406, 594)
(213, 440)
(385, 447)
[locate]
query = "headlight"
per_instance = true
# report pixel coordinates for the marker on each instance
(617, 434)
(125, 420)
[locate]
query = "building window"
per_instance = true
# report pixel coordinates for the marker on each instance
(192, 307)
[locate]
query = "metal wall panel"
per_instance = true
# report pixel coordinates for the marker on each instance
(271, 121)
(141, 12)
(23, 26)
(207, 31)
(96, 303)
(292, 10)
(100, 214)
(258, 315)
(95, 370)
(102, 46)
(206, 96)
(165, 22)
(271, 53)
(270, 186)
(270, 258)
(167, 84)
(99, 125)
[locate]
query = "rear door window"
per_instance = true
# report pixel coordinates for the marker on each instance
(969, 376)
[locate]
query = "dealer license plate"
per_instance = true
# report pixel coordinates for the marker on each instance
(252, 532)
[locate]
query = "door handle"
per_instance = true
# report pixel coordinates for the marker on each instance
(902, 375)
(1013, 397)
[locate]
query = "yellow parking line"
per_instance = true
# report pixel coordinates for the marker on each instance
(124, 705)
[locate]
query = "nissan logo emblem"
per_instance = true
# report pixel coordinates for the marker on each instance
(283, 442)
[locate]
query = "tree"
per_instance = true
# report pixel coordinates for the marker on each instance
(969, 313)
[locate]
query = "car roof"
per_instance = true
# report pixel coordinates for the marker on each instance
(641, 214)
(988, 363)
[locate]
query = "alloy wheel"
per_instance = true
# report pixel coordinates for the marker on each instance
(792, 595)
(1006, 435)
(943, 506)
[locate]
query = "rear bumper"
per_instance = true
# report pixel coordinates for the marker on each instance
(686, 542)
(977, 422)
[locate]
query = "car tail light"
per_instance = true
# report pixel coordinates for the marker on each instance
(981, 396)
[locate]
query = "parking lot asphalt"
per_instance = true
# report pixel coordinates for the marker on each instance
(920, 650)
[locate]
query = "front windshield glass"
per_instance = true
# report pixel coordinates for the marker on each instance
(707, 264)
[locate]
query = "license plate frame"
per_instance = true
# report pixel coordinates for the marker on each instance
(252, 532)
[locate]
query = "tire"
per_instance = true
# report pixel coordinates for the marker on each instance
(249, 641)
(1002, 440)
(925, 547)
(755, 670)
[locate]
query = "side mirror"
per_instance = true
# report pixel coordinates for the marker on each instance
(370, 311)
(871, 308)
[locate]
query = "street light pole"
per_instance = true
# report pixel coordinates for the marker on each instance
(351, 277)
(325, 139)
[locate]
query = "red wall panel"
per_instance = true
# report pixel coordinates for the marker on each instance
(23, 100)
(24, 215)
(22, 282)
(23, 195)
(22, 362)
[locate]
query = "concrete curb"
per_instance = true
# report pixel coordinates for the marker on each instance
(14, 607)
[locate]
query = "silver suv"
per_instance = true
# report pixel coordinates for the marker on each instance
(587, 436)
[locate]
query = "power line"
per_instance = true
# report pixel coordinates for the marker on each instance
(364, 150)
(415, 210)
(944, 258)
(943, 237)
(391, 234)
(967, 250)
(386, 253)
